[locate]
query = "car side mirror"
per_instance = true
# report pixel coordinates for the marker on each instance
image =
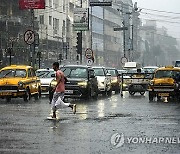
(53, 75)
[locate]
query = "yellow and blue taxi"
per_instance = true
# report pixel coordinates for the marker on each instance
(19, 81)
(164, 83)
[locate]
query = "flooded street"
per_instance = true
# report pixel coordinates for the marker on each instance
(93, 129)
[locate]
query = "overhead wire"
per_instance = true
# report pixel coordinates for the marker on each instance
(177, 13)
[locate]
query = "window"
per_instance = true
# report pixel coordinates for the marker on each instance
(64, 5)
(99, 72)
(41, 19)
(63, 28)
(7, 73)
(55, 24)
(20, 73)
(75, 72)
(166, 74)
(50, 3)
(112, 72)
(55, 4)
(50, 20)
(45, 74)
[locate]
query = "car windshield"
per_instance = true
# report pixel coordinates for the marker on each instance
(112, 72)
(13, 73)
(149, 70)
(75, 72)
(99, 72)
(44, 74)
(166, 74)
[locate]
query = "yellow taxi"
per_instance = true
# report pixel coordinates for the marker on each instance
(164, 83)
(19, 81)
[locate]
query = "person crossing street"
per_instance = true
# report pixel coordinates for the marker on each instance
(59, 90)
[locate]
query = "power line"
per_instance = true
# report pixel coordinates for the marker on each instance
(161, 11)
(159, 20)
(158, 15)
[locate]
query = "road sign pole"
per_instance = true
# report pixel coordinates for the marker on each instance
(33, 44)
(81, 42)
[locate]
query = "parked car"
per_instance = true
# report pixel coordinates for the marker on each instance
(19, 81)
(46, 76)
(104, 80)
(164, 83)
(82, 82)
(115, 79)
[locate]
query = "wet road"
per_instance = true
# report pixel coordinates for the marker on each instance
(107, 125)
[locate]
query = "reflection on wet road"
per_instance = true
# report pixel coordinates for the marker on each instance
(25, 129)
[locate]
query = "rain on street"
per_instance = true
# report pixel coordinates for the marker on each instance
(107, 125)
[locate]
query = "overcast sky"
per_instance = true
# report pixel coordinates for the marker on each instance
(169, 20)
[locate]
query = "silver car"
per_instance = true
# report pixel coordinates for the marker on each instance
(46, 76)
(104, 80)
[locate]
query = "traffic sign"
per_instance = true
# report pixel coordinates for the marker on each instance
(29, 37)
(96, 3)
(120, 28)
(89, 62)
(89, 53)
(124, 60)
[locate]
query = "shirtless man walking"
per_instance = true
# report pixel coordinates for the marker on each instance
(58, 96)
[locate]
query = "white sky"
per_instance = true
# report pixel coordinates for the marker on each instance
(162, 5)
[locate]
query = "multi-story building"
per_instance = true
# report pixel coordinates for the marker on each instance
(52, 30)
(106, 43)
(58, 40)
(156, 46)
(13, 22)
(57, 36)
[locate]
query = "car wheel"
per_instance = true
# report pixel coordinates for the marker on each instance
(104, 93)
(117, 91)
(89, 94)
(151, 96)
(51, 92)
(8, 99)
(158, 98)
(38, 95)
(132, 93)
(27, 95)
(142, 92)
(39, 90)
(95, 96)
(109, 93)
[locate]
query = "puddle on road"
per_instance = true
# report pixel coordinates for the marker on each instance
(87, 118)
(111, 116)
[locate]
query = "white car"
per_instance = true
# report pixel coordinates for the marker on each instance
(150, 69)
(46, 76)
(104, 80)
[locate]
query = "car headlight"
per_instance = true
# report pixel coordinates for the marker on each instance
(21, 84)
(82, 84)
(114, 80)
(124, 85)
(151, 83)
(53, 84)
